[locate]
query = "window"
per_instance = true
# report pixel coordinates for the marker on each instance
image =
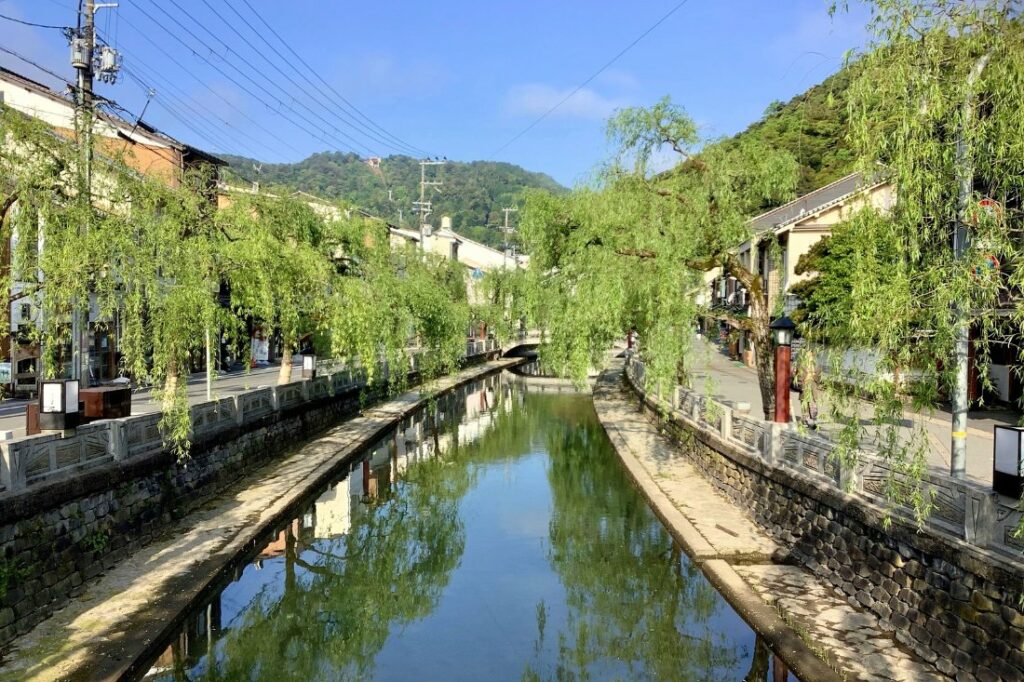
(26, 311)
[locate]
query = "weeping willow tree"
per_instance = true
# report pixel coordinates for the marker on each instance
(506, 302)
(151, 254)
(630, 251)
(938, 101)
(277, 263)
(134, 249)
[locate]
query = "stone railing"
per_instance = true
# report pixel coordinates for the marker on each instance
(33, 460)
(963, 509)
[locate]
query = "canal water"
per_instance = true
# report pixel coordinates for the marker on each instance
(493, 536)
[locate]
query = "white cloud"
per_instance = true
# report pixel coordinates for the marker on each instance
(382, 75)
(536, 99)
(619, 78)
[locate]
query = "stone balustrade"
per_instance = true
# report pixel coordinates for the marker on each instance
(961, 508)
(31, 460)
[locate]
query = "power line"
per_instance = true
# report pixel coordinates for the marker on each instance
(192, 123)
(42, 68)
(342, 114)
(328, 85)
(29, 23)
(348, 138)
(244, 88)
(241, 112)
(147, 79)
(585, 83)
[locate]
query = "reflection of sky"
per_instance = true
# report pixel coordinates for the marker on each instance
(485, 625)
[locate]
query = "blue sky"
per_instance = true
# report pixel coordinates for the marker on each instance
(456, 77)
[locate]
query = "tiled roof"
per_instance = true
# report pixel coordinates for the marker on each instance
(809, 203)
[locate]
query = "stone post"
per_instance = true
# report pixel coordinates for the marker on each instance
(773, 447)
(726, 429)
(9, 469)
(238, 409)
(979, 516)
(118, 446)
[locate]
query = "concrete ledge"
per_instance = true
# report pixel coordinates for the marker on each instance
(761, 617)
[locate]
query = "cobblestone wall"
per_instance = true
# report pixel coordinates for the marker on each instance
(957, 606)
(57, 535)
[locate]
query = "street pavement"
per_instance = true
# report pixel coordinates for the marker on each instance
(729, 380)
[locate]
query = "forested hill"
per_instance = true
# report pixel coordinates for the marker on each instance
(811, 127)
(473, 194)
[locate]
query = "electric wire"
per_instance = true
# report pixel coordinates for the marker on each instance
(142, 72)
(590, 78)
(241, 112)
(191, 123)
(167, 94)
(18, 55)
(33, 24)
(255, 84)
(330, 87)
(343, 116)
(288, 95)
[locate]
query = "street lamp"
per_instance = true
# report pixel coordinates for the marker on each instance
(1008, 461)
(308, 366)
(58, 405)
(782, 333)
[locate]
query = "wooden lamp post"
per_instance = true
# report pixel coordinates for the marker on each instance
(782, 332)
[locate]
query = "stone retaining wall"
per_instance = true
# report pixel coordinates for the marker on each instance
(62, 531)
(958, 606)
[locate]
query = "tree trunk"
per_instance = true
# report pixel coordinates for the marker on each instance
(764, 357)
(760, 318)
(170, 383)
(285, 375)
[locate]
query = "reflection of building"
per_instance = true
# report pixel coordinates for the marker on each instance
(333, 515)
(279, 545)
(194, 641)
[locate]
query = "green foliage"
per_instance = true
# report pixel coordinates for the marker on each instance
(938, 100)
(473, 193)
(619, 255)
(812, 127)
(154, 253)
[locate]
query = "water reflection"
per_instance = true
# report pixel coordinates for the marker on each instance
(491, 536)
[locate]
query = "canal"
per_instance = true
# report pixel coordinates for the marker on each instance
(493, 536)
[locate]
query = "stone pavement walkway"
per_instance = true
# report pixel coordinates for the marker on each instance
(717, 534)
(134, 605)
(732, 381)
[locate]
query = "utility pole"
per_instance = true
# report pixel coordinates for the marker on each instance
(507, 230)
(423, 207)
(84, 60)
(962, 344)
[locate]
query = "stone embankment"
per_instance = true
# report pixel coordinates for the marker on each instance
(67, 525)
(116, 620)
(771, 572)
(950, 590)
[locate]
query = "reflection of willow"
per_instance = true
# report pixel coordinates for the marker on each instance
(341, 597)
(630, 597)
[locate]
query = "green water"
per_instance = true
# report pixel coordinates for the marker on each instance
(505, 544)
